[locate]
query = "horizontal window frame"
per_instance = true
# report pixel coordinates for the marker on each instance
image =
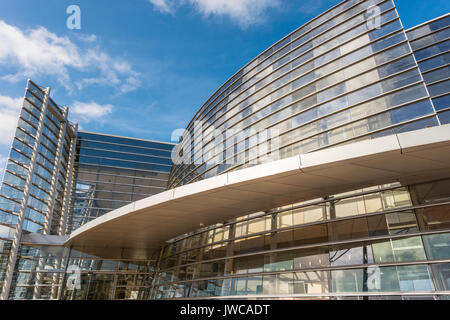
(397, 32)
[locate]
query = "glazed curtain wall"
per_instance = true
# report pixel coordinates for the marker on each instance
(112, 172)
(58, 179)
(335, 80)
(431, 45)
(52, 163)
(36, 185)
(330, 247)
(65, 274)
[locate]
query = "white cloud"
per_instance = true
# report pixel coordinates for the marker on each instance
(87, 38)
(164, 6)
(243, 12)
(3, 161)
(39, 51)
(9, 113)
(114, 73)
(90, 111)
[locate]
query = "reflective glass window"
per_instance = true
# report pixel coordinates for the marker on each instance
(399, 250)
(437, 246)
(442, 102)
(444, 117)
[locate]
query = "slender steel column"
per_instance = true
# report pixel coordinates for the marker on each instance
(156, 273)
(68, 186)
(51, 204)
(63, 277)
(56, 169)
(20, 221)
(273, 283)
(229, 262)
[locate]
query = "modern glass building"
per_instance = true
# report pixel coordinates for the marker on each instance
(34, 192)
(320, 170)
(336, 80)
(111, 172)
(348, 75)
(323, 248)
(57, 179)
(430, 44)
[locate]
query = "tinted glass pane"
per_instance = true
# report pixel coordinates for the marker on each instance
(425, 123)
(125, 141)
(439, 88)
(444, 117)
(442, 102)
(412, 111)
(437, 246)
(434, 62)
(441, 275)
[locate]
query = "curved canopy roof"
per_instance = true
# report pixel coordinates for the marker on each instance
(137, 230)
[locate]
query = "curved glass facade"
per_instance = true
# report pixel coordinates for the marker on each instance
(352, 73)
(347, 75)
(384, 241)
(431, 46)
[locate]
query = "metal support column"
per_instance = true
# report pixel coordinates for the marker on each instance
(68, 186)
(51, 204)
(20, 221)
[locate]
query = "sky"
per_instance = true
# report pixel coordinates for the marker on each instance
(142, 68)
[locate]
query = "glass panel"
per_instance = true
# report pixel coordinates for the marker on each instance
(402, 222)
(441, 276)
(437, 246)
(442, 103)
(315, 282)
(409, 249)
(250, 264)
(351, 256)
(348, 229)
(444, 117)
(247, 286)
(278, 284)
(347, 280)
(311, 258)
(434, 218)
(404, 278)
(280, 261)
(349, 207)
(414, 278)
(310, 214)
(434, 192)
(125, 141)
(439, 88)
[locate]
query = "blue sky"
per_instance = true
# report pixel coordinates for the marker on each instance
(142, 68)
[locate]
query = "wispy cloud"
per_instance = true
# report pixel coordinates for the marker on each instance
(243, 12)
(164, 6)
(116, 73)
(87, 37)
(41, 52)
(90, 111)
(9, 111)
(3, 161)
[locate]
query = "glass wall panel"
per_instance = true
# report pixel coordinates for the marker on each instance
(441, 276)
(437, 246)
(399, 250)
